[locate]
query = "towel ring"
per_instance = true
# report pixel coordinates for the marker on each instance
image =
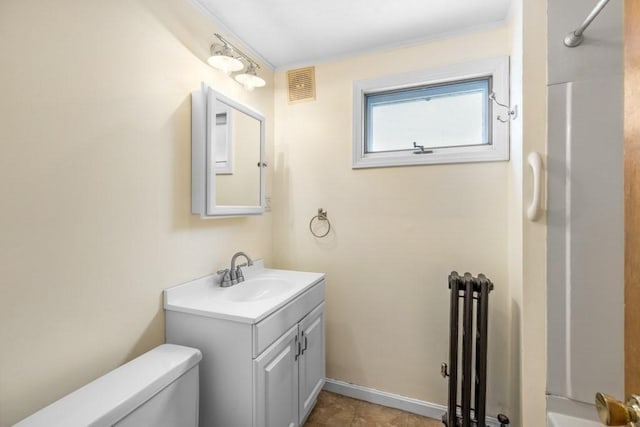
(322, 216)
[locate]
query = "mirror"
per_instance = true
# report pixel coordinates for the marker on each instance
(227, 156)
(237, 157)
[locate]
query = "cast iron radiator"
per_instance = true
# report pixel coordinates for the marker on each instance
(468, 295)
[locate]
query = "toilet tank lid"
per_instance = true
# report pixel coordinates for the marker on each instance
(111, 397)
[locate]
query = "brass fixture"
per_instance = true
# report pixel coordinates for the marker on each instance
(613, 412)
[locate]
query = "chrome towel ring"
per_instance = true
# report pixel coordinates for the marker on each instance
(322, 216)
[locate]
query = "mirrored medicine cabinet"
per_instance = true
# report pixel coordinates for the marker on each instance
(227, 156)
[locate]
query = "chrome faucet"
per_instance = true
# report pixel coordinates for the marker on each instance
(234, 275)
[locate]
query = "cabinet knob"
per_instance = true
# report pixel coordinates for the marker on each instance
(613, 412)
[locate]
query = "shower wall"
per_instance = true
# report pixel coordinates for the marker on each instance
(585, 205)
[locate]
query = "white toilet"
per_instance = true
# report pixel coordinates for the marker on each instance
(159, 389)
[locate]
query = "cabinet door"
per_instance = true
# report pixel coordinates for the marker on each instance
(311, 362)
(276, 381)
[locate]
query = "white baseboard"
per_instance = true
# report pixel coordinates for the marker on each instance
(408, 404)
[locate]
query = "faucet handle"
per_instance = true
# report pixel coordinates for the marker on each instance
(239, 274)
(226, 277)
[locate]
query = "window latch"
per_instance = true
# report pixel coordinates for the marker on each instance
(420, 149)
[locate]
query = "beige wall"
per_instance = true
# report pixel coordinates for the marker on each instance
(95, 219)
(534, 240)
(95, 186)
(396, 232)
(527, 240)
(515, 212)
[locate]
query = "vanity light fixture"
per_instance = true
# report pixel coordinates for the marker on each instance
(228, 59)
(249, 79)
(222, 58)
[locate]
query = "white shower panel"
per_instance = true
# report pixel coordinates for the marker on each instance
(585, 239)
(599, 56)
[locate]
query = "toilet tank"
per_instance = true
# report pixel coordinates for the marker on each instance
(159, 389)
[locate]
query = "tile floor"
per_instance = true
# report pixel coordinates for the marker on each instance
(334, 410)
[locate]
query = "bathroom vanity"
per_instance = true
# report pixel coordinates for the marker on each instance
(262, 343)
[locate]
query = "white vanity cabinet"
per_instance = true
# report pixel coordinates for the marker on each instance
(290, 374)
(276, 380)
(311, 362)
(264, 372)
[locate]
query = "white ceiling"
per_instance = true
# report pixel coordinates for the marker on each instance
(288, 33)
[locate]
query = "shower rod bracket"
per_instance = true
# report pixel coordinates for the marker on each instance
(575, 38)
(572, 39)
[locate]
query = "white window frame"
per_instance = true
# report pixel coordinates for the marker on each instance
(496, 150)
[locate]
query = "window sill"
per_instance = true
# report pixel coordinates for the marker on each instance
(486, 153)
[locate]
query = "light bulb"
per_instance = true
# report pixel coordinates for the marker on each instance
(249, 79)
(223, 60)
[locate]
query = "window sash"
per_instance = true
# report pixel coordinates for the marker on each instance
(497, 148)
(422, 92)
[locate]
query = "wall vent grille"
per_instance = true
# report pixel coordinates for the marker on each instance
(301, 85)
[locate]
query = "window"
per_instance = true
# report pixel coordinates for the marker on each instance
(436, 116)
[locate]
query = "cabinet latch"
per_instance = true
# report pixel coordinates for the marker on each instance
(305, 343)
(297, 345)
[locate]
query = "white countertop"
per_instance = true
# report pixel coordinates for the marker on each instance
(205, 297)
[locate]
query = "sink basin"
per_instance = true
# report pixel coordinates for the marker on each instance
(257, 289)
(263, 291)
